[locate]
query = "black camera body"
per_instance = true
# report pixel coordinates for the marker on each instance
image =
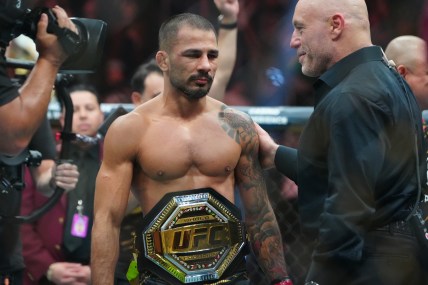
(12, 169)
(84, 49)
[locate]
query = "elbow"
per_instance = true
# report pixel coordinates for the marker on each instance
(13, 147)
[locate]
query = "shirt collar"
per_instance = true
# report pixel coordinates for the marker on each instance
(335, 74)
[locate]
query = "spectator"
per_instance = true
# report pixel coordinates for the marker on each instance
(57, 246)
(410, 56)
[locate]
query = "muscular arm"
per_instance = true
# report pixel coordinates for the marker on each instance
(21, 117)
(227, 44)
(111, 198)
(260, 219)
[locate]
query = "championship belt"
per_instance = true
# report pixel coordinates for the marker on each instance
(192, 237)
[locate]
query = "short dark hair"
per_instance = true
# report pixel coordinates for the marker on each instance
(169, 29)
(137, 80)
(83, 87)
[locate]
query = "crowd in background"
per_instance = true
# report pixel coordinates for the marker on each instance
(266, 72)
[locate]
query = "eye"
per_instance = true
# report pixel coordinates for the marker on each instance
(298, 28)
(90, 108)
(213, 55)
(192, 54)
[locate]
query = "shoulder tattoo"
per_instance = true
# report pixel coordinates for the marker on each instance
(237, 125)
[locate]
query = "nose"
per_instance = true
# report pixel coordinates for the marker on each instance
(81, 113)
(204, 63)
(295, 40)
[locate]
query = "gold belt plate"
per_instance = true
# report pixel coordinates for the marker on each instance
(194, 236)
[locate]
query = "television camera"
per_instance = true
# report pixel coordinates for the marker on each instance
(84, 49)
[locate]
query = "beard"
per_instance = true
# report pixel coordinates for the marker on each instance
(193, 93)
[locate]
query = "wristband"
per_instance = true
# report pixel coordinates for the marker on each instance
(230, 26)
(284, 281)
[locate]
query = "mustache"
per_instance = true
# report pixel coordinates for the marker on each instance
(206, 76)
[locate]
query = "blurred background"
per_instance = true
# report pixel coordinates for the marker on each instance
(266, 72)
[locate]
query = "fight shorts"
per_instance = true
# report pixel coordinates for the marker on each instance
(192, 237)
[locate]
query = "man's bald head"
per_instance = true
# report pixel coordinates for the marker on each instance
(354, 11)
(406, 50)
(327, 31)
(409, 54)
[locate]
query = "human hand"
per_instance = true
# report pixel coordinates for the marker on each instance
(267, 148)
(66, 273)
(84, 277)
(289, 189)
(229, 9)
(47, 44)
(65, 175)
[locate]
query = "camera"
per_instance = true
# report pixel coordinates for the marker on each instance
(84, 49)
(12, 169)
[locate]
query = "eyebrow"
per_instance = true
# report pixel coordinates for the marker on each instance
(212, 51)
(297, 24)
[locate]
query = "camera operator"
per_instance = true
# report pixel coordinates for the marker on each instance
(22, 110)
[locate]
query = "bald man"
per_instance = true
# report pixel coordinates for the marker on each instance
(409, 54)
(355, 165)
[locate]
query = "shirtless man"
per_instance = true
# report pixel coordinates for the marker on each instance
(182, 140)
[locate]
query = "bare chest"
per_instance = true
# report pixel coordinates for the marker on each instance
(172, 152)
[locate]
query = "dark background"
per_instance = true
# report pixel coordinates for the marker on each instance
(266, 71)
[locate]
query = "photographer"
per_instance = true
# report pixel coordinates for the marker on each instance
(22, 110)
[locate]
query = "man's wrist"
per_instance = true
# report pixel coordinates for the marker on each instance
(284, 281)
(227, 24)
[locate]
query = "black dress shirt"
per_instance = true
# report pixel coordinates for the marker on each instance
(356, 165)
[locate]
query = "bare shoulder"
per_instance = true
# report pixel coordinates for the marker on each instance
(237, 124)
(228, 112)
(125, 123)
(125, 132)
(235, 118)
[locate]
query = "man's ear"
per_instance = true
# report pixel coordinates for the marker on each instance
(402, 70)
(337, 23)
(162, 60)
(136, 98)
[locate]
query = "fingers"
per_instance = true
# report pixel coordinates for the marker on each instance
(66, 171)
(66, 176)
(47, 44)
(42, 25)
(63, 20)
(229, 9)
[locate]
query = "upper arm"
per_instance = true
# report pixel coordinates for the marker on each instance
(248, 173)
(115, 175)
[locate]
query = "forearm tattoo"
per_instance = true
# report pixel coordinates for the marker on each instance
(260, 220)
